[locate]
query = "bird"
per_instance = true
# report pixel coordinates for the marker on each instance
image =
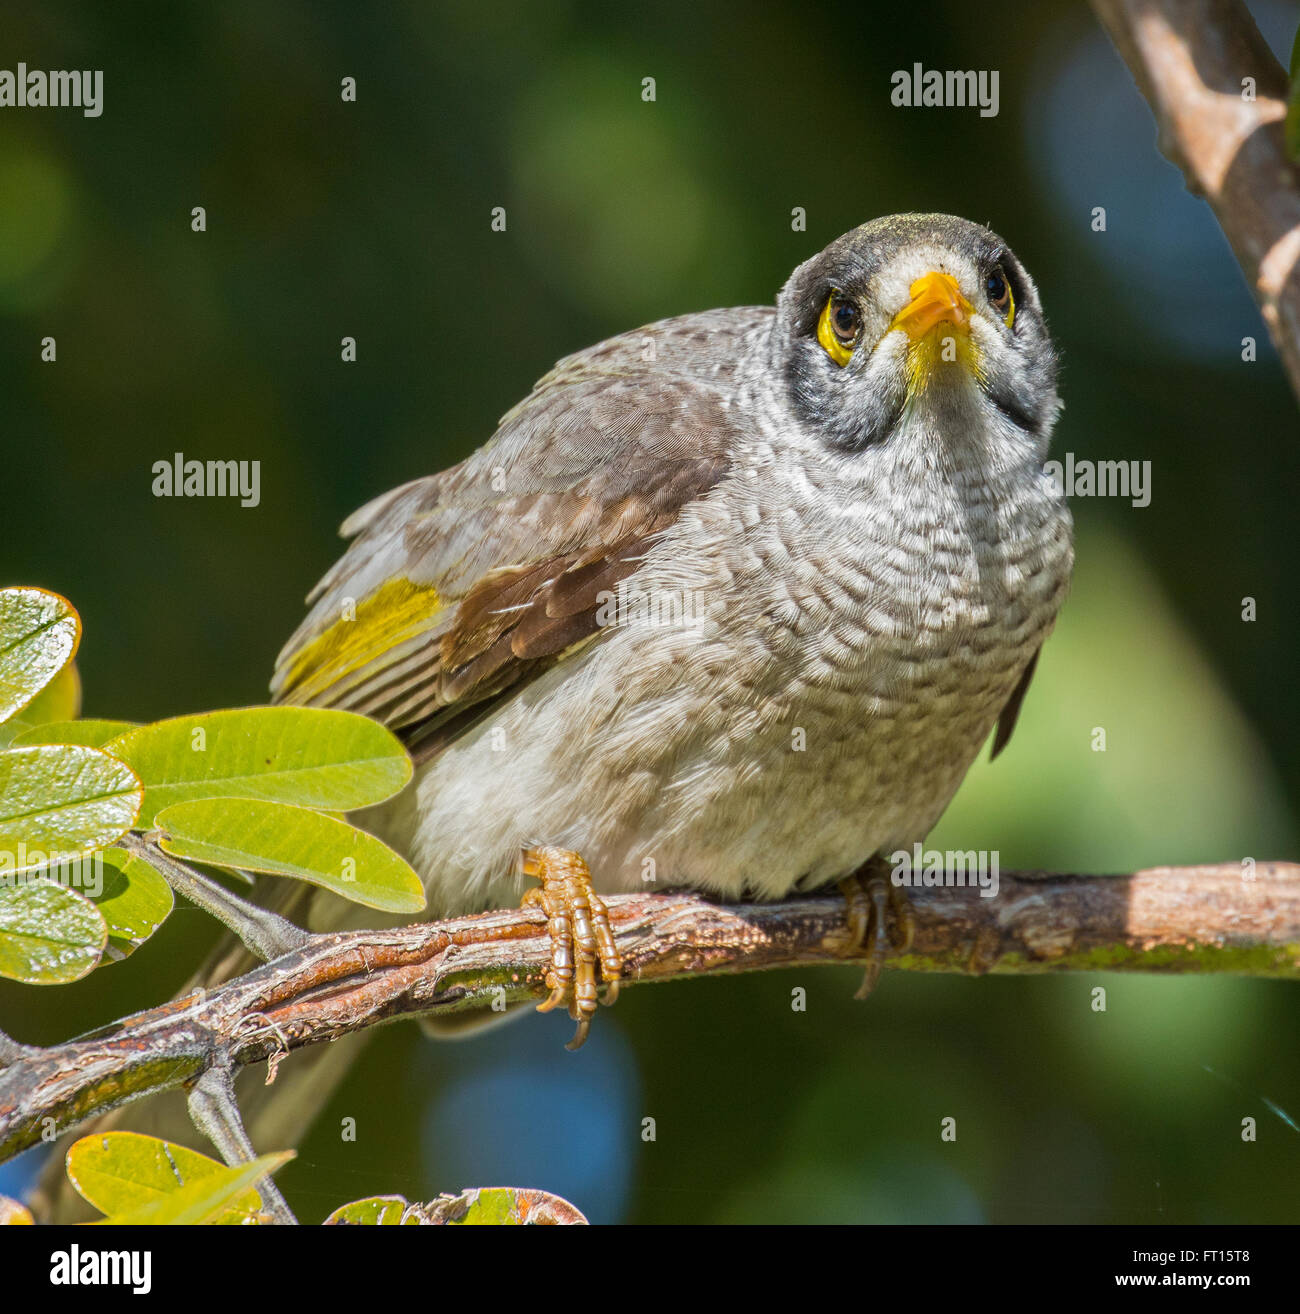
(727, 603)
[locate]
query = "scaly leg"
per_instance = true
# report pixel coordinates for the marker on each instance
(868, 898)
(581, 938)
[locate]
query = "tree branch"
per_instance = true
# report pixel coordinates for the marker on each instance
(1189, 59)
(215, 1112)
(1168, 919)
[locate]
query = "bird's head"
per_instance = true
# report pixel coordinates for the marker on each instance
(921, 314)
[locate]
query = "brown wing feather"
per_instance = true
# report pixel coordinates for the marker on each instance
(501, 562)
(1011, 712)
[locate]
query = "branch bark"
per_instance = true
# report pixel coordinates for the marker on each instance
(1168, 919)
(1189, 59)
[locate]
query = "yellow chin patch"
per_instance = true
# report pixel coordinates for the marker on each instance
(937, 350)
(937, 322)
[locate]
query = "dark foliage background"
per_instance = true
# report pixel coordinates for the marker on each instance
(371, 219)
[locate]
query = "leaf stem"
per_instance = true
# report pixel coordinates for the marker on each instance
(264, 933)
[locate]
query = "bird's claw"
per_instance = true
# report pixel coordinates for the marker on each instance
(581, 938)
(869, 898)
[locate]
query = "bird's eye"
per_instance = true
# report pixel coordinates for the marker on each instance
(844, 320)
(838, 329)
(998, 291)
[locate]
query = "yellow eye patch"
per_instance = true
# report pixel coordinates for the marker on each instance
(835, 347)
(998, 288)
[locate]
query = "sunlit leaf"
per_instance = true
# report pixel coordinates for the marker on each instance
(11, 1212)
(58, 800)
(201, 1202)
(374, 1211)
(291, 841)
(491, 1207)
(134, 901)
(48, 934)
(309, 756)
(60, 700)
(91, 733)
(137, 1178)
(508, 1206)
(39, 632)
(503, 1206)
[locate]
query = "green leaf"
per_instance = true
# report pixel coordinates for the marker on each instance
(134, 901)
(317, 758)
(289, 841)
(60, 700)
(374, 1211)
(39, 632)
(205, 1201)
(494, 1207)
(48, 935)
(140, 1179)
(13, 1213)
(59, 800)
(117, 1171)
(506, 1206)
(90, 733)
(490, 1208)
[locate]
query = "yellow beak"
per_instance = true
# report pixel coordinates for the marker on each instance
(936, 299)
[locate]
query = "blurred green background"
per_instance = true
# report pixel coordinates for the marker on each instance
(372, 220)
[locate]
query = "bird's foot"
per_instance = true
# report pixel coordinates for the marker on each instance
(581, 938)
(869, 898)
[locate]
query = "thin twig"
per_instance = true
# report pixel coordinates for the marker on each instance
(1170, 919)
(215, 1113)
(264, 933)
(1219, 100)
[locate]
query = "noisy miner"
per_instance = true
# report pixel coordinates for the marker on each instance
(728, 603)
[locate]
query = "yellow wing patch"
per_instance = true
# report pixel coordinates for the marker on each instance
(396, 611)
